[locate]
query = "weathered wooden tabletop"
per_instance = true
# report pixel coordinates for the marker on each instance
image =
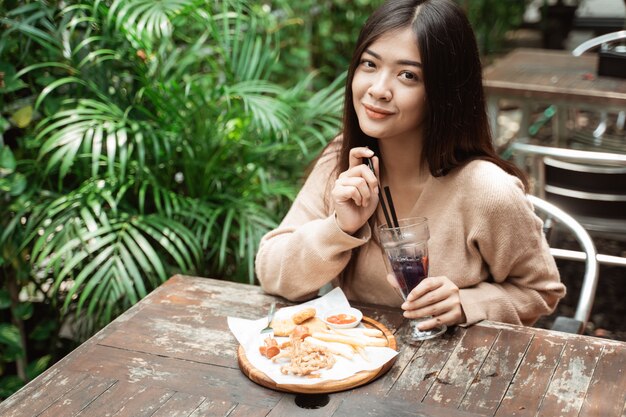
(173, 355)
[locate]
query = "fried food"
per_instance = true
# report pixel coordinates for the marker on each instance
(303, 315)
(307, 359)
(270, 349)
(313, 346)
(300, 333)
(355, 341)
(315, 325)
(335, 348)
(283, 327)
(360, 331)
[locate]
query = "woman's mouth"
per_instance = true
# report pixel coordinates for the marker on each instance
(376, 113)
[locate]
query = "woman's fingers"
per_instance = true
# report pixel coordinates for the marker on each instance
(358, 182)
(437, 297)
(448, 319)
(354, 188)
(357, 155)
(355, 193)
(356, 160)
(425, 293)
(361, 171)
(445, 312)
(437, 309)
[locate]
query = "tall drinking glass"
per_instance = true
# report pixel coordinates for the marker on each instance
(406, 248)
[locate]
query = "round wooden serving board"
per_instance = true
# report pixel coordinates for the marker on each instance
(355, 380)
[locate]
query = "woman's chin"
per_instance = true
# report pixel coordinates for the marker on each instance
(375, 133)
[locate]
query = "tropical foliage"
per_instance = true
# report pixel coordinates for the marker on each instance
(139, 139)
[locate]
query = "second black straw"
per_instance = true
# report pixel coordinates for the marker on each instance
(370, 164)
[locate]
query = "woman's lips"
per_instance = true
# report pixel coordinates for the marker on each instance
(376, 113)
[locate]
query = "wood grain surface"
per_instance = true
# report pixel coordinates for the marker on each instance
(173, 355)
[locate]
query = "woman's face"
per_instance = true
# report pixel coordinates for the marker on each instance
(388, 90)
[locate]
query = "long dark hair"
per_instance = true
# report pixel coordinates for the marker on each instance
(456, 126)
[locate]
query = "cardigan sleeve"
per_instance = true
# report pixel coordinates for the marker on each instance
(308, 249)
(523, 281)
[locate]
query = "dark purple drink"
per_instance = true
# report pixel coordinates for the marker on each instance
(406, 247)
(409, 272)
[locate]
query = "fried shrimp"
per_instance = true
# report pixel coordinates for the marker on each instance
(306, 359)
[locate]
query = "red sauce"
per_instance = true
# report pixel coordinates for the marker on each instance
(341, 319)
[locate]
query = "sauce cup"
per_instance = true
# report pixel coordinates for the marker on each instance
(343, 318)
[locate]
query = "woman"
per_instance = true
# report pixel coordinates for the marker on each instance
(414, 103)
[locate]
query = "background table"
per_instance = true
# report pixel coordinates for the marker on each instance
(537, 76)
(172, 354)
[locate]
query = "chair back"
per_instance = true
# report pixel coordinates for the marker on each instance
(589, 185)
(603, 40)
(594, 194)
(550, 214)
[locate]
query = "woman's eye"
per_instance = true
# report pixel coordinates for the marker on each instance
(367, 63)
(407, 75)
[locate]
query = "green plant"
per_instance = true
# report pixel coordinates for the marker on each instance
(492, 19)
(140, 139)
(17, 312)
(315, 35)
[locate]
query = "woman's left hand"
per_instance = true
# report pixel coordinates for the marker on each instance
(437, 297)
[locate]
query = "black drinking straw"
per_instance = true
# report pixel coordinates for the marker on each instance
(380, 195)
(393, 210)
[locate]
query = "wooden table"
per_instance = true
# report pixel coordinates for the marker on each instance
(536, 76)
(172, 354)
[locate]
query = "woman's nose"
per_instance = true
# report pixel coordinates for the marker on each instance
(380, 89)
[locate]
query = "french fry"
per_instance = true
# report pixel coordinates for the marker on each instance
(360, 331)
(355, 340)
(339, 338)
(375, 341)
(361, 351)
(336, 348)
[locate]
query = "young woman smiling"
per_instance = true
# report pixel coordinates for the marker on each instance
(414, 103)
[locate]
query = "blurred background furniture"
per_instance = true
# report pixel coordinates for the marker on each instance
(591, 17)
(586, 180)
(553, 217)
(611, 62)
(535, 78)
(591, 186)
(596, 194)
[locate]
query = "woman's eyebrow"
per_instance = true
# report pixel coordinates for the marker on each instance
(400, 61)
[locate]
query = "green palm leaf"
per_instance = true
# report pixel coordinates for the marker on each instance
(259, 98)
(86, 246)
(147, 18)
(94, 127)
(25, 27)
(97, 57)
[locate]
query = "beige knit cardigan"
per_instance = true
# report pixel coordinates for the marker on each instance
(485, 237)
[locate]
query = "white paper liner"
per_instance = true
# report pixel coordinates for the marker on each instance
(248, 334)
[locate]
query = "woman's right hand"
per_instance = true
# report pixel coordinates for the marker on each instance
(355, 193)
